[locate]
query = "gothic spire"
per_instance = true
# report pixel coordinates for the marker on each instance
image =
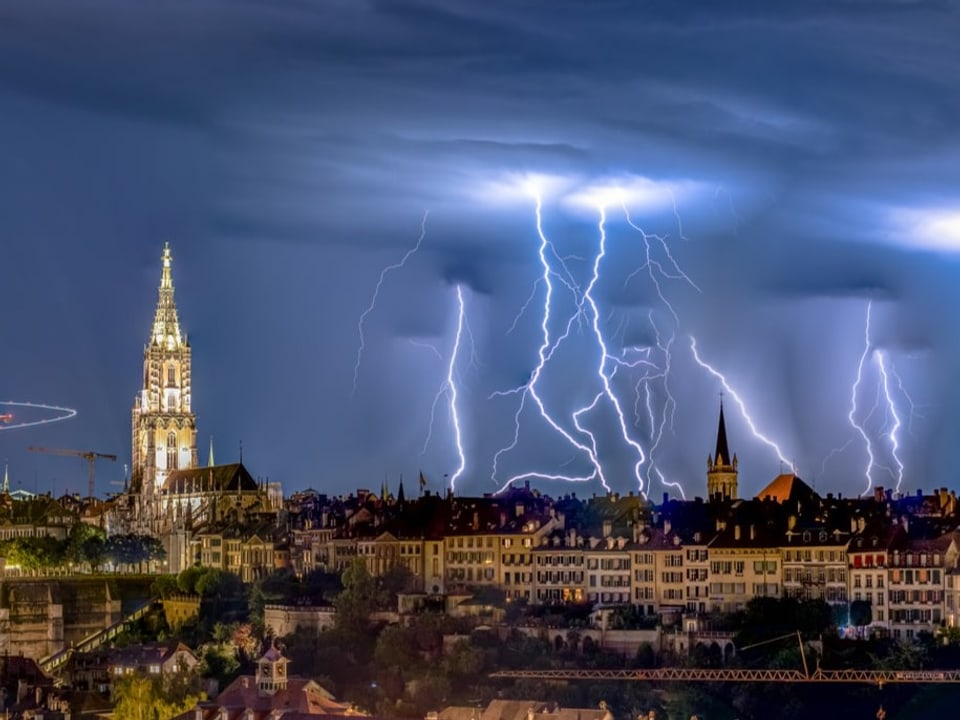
(722, 455)
(6, 478)
(166, 326)
(210, 462)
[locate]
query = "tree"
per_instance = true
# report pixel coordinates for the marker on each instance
(139, 697)
(396, 647)
(85, 545)
(357, 600)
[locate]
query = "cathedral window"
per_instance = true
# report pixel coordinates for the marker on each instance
(172, 451)
(171, 376)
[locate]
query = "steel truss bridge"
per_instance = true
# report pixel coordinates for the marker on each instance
(872, 677)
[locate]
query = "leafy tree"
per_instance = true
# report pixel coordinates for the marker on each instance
(164, 586)
(357, 599)
(85, 545)
(139, 697)
(395, 580)
(187, 579)
(396, 647)
(220, 662)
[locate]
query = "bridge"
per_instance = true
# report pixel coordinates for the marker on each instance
(873, 677)
(52, 663)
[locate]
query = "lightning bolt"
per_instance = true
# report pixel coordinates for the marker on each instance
(657, 271)
(376, 294)
(851, 416)
(885, 393)
(651, 264)
(743, 408)
(448, 389)
(606, 357)
(892, 408)
(548, 347)
(452, 389)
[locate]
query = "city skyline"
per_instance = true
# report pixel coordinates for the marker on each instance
(295, 156)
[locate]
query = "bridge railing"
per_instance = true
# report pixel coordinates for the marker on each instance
(55, 661)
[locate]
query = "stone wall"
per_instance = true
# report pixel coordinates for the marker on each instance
(41, 617)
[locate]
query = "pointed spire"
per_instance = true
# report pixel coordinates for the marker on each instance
(401, 497)
(6, 478)
(166, 326)
(722, 455)
(210, 462)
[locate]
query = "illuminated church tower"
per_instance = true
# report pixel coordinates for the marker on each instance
(164, 428)
(721, 467)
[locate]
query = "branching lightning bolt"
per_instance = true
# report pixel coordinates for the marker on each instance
(529, 390)
(656, 271)
(885, 393)
(743, 408)
(892, 408)
(852, 415)
(376, 294)
(606, 357)
(651, 264)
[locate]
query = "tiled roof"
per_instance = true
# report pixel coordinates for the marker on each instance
(217, 478)
(787, 488)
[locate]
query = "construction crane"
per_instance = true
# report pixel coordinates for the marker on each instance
(89, 455)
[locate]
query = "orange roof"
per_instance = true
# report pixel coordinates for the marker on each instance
(786, 487)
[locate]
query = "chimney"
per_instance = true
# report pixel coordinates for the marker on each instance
(666, 498)
(607, 528)
(878, 493)
(667, 525)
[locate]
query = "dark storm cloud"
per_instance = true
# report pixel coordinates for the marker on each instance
(289, 149)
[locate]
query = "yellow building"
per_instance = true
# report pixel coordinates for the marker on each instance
(164, 426)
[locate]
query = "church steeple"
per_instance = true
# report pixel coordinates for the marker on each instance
(210, 462)
(722, 468)
(722, 455)
(164, 426)
(166, 326)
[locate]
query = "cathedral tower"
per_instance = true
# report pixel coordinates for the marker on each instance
(721, 468)
(164, 428)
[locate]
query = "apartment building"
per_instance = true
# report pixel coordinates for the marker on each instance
(744, 564)
(559, 573)
(917, 582)
(814, 561)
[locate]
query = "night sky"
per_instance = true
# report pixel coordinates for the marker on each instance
(800, 162)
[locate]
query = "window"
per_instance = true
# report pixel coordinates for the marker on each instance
(171, 376)
(171, 451)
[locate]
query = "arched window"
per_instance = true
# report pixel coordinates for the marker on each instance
(171, 376)
(172, 451)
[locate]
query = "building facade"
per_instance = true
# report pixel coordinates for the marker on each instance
(164, 427)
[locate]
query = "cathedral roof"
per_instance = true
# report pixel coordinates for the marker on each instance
(219, 478)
